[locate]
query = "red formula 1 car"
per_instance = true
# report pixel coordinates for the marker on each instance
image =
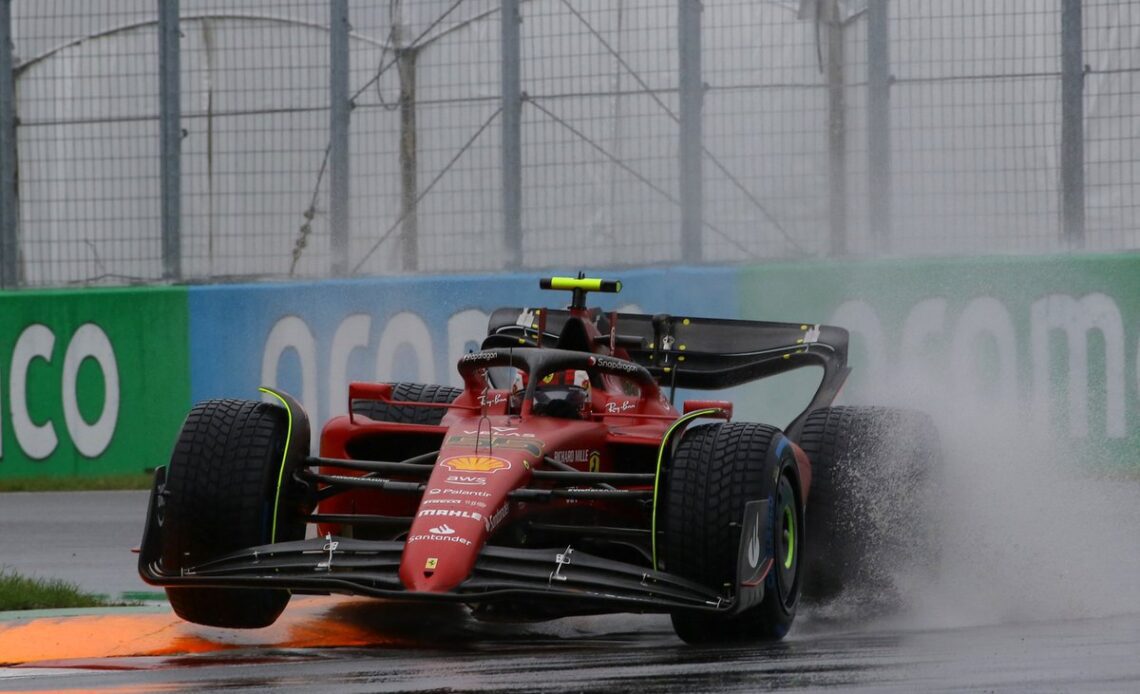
(560, 480)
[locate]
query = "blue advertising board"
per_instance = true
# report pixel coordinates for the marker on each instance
(312, 338)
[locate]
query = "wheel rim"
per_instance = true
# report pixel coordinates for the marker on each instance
(787, 542)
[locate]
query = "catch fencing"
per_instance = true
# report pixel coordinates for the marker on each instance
(210, 140)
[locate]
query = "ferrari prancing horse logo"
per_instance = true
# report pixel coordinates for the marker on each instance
(476, 463)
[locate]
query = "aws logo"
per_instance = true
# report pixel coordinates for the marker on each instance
(476, 463)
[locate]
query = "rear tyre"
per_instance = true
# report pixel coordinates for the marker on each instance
(409, 414)
(220, 494)
(716, 470)
(870, 510)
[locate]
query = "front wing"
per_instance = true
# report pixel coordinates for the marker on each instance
(581, 582)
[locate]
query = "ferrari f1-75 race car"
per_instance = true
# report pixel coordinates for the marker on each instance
(560, 480)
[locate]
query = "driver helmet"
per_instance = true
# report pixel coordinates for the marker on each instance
(563, 394)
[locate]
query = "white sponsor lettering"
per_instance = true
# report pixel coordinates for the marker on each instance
(457, 492)
(466, 479)
(611, 364)
(576, 455)
(1077, 318)
(352, 334)
(494, 399)
(91, 342)
(451, 513)
(40, 440)
(449, 501)
(292, 333)
(980, 352)
(938, 352)
(496, 518)
(475, 357)
(616, 407)
(439, 538)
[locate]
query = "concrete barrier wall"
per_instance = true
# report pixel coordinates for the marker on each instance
(312, 339)
(98, 381)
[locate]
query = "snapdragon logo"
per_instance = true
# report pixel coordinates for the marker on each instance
(40, 439)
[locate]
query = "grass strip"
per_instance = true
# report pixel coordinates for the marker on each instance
(22, 593)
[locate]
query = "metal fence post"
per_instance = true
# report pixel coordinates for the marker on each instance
(512, 131)
(339, 108)
(691, 176)
(879, 122)
(409, 168)
(1072, 124)
(170, 137)
(836, 129)
(9, 200)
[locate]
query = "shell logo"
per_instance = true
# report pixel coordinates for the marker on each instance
(476, 463)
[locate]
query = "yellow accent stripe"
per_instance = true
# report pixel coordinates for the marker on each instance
(284, 456)
(657, 475)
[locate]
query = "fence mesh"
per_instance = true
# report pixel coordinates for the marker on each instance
(976, 122)
(599, 141)
(425, 133)
(86, 78)
(975, 149)
(766, 125)
(1112, 143)
(255, 129)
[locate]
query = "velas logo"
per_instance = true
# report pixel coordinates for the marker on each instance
(476, 463)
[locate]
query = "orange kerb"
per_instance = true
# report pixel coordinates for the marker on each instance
(306, 623)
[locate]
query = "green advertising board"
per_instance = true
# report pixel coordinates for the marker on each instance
(92, 382)
(1052, 340)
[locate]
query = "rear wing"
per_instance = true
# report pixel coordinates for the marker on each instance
(684, 352)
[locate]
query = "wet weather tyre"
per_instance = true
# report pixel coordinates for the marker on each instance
(409, 414)
(870, 514)
(220, 493)
(715, 471)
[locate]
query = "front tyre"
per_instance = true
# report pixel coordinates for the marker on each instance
(221, 495)
(716, 470)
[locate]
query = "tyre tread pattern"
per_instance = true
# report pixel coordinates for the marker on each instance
(715, 471)
(408, 414)
(706, 472)
(220, 485)
(869, 472)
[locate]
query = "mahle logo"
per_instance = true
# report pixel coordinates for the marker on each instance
(476, 463)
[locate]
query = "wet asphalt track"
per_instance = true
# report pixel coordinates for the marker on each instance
(410, 650)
